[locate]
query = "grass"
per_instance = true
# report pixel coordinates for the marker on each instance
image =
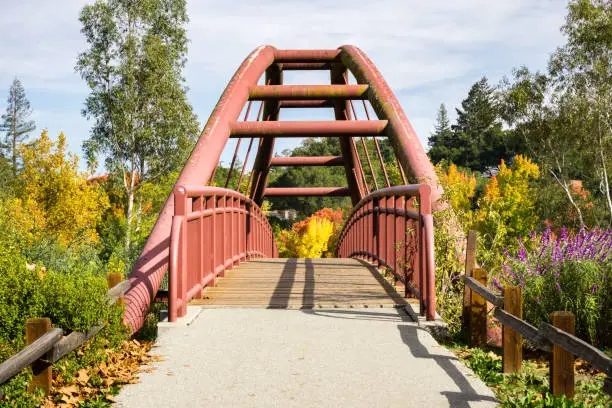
(530, 387)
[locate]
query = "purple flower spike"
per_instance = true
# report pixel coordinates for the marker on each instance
(548, 256)
(497, 285)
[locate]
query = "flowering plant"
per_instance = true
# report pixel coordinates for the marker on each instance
(571, 272)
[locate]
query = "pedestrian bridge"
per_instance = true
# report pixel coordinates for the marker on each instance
(348, 340)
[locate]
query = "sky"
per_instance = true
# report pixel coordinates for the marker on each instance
(428, 51)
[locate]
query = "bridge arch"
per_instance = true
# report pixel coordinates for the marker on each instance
(174, 232)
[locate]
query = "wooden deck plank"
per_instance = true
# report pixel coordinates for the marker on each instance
(301, 283)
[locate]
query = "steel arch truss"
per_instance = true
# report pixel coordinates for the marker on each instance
(224, 124)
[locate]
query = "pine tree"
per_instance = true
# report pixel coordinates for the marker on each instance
(478, 134)
(16, 123)
(441, 141)
(144, 127)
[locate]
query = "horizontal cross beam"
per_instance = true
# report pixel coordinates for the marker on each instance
(306, 55)
(307, 192)
(323, 128)
(307, 161)
(299, 92)
(305, 66)
(307, 104)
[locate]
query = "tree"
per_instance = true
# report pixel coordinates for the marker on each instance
(545, 127)
(478, 136)
(441, 142)
(144, 127)
(564, 116)
(581, 72)
(69, 206)
(16, 123)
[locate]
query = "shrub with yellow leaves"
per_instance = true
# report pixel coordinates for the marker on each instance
(507, 207)
(54, 187)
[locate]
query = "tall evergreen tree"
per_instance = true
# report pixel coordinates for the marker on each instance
(144, 127)
(441, 141)
(16, 123)
(478, 133)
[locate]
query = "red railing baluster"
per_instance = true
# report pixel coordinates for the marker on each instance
(386, 230)
(180, 210)
(398, 236)
(197, 257)
(407, 225)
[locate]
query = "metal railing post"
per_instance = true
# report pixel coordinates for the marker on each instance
(180, 209)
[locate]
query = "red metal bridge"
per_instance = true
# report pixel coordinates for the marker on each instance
(204, 231)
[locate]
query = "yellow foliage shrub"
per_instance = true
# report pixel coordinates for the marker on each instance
(56, 190)
(315, 237)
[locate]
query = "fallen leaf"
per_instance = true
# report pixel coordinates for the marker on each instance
(82, 377)
(69, 390)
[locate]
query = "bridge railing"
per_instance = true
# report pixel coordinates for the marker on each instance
(392, 228)
(213, 229)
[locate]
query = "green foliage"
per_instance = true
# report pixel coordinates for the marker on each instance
(530, 387)
(76, 301)
(73, 259)
(73, 301)
(449, 288)
(21, 297)
(148, 331)
(487, 366)
(16, 391)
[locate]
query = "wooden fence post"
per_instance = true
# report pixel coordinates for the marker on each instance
(41, 371)
(113, 279)
(562, 362)
(478, 312)
(470, 265)
(512, 342)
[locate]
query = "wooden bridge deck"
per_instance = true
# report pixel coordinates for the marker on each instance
(301, 284)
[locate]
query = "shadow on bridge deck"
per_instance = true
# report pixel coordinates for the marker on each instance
(302, 284)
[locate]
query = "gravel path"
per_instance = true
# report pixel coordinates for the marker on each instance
(304, 358)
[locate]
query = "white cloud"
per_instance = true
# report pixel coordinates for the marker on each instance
(428, 51)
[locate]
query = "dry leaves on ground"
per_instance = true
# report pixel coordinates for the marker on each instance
(101, 381)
